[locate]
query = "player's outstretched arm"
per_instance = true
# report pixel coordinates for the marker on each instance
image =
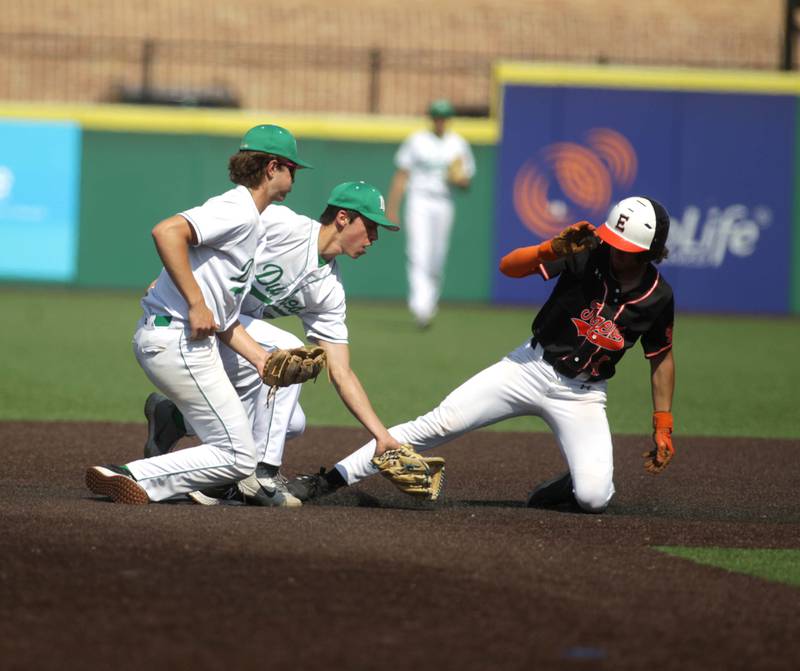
(525, 261)
(172, 238)
(352, 393)
(662, 380)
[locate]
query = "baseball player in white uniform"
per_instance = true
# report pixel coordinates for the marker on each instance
(208, 254)
(430, 163)
(295, 274)
(607, 298)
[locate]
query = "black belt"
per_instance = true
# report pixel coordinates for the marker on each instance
(553, 360)
(547, 356)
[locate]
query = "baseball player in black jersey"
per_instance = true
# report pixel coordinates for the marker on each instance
(608, 295)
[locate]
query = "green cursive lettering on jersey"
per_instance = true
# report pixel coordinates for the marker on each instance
(241, 279)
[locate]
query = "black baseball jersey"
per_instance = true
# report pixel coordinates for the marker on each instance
(588, 323)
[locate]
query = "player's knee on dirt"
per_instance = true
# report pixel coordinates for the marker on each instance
(592, 493)
(244, 466)
(244, 457)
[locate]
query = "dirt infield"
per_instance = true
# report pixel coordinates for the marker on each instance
(368, 579)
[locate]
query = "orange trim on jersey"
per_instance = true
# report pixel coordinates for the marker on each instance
(649, 291)
(662, 350)
(525, 261)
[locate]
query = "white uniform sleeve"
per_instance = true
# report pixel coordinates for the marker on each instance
(252, 307)
(219, 223)
(404, 158)
(327, 320)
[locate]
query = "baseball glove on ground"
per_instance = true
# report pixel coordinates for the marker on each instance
(574, 239)
(286, 367)
(418, 476)
(659, 457)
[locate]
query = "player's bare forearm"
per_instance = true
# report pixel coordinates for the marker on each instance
(172, 238)
(241, 342)
(525, 261)
(353, 395)
(662, 380)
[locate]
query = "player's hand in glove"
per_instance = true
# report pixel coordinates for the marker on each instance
(456, 174)
(286, 367)
(418, 476)
(660, 456)
(574, 239)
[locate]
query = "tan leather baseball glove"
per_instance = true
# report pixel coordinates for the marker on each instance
(286, 367)
(574, 239)
(418, 476)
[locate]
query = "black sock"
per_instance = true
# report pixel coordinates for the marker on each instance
(177, 417)
(334, 478)
(269, 470)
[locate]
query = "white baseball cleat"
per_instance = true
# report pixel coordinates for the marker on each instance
(261, 489)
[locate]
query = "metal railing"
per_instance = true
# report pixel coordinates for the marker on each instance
(289, 77)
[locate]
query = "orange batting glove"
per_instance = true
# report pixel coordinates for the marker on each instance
(660, 456)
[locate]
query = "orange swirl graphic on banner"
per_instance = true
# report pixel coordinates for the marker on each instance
(532, 203)
(581, 175)
(617, 152)
(584, 176)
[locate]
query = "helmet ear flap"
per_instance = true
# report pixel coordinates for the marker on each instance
(658, 250)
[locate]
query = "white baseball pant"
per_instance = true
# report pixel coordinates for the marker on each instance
(428, 223)
(282, 417)
(522, 383)
(192, 375)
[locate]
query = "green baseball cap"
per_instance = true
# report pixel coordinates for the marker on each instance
(441, 108)
(272, 140)
(364, 199)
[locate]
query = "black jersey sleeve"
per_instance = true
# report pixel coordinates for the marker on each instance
(574, 264)
(659, 338)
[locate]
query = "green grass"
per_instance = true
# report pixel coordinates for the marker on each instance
(775, 565)
(67, 355)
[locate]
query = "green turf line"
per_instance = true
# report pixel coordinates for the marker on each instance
(777, 565)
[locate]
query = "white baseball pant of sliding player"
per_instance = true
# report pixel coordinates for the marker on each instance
(522, 383)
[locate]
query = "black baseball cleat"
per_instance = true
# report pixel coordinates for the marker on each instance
(163, 431)
(307, 487)
(552, 493)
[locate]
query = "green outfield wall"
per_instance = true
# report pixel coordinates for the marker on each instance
(130, 181)
(138, 165)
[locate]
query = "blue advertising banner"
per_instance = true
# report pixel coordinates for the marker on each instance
(39, 186)
(723, 173)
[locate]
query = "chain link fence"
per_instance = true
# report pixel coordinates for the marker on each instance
(340, 61)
